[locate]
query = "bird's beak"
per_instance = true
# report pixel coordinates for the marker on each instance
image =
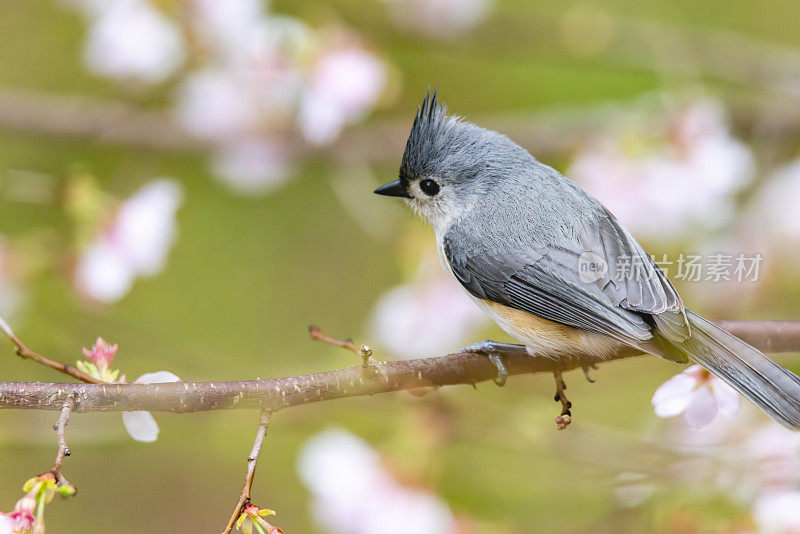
(392, 189)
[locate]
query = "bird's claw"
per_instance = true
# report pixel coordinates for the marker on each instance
(502, 371)
(565, 418)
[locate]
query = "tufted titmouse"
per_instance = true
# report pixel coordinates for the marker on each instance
(541, 257)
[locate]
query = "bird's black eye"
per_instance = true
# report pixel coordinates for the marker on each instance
(429, 187)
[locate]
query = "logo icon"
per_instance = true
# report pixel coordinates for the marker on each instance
(591, 267)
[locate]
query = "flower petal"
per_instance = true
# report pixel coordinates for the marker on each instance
(702, 408)
(159, 377)
(673, 396)
(726, 397)
(6, 524)
(141, 426)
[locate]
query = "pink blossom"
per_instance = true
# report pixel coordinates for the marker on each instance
(135, 243)
(101, 353)
(23, 520)
(698, 395)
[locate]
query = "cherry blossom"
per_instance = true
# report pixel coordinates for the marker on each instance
(425, 317)
(132, 39)
(141, 425)
(252, 519)
(698, 395)
(778, 513)
(352, 493)
(21, 520)
(101, 354)
(135, 243)
(683, 170)
(344, 84)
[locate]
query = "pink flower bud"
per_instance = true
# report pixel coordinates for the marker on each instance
(101, 354)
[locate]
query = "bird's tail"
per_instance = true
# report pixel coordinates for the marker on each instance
(768, 385)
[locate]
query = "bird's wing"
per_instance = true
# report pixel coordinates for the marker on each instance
(545, 279)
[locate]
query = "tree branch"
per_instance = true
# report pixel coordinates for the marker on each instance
(378, 377)
(252, 460)
(61, 432)
(22, 350)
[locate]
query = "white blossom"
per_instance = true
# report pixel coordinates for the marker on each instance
(668, 178)
(352, 493)
(772, 222)
(141, 425)
(698, 395)
(430, 315)
(778, 513)
(344, 84)
(135, 243)
(132, 39)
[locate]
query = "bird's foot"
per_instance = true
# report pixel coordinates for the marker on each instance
(502, 371)
(492, 350)
(487, 346)
(563, 420)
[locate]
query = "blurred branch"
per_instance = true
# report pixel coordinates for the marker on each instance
(22, 350)
(252, 460)
(356, 381)
(551, 132)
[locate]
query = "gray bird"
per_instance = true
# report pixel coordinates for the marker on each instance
(541, 256)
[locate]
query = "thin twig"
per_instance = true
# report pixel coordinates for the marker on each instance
(23, 351)
(317, 335)
(61, 432)
(252, 460)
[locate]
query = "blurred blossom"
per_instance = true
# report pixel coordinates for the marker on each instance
(141, 425)
(439, 18)
(778, 513)
(344, 84)
(135, 243)
(428, 316)
(671, 177)
(354, 494)
(10, 292)
(220, 27)
(252, 165)
(633, 489)
(772, 454)
(254, 77)
(698, 395)
(773, 218)
(130, 39)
